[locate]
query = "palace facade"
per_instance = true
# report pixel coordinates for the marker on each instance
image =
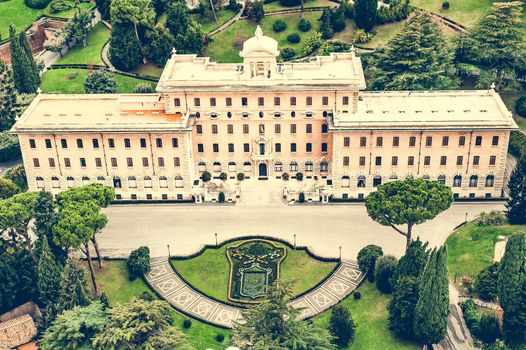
(264, 118)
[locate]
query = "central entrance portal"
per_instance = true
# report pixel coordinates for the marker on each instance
(263, 170)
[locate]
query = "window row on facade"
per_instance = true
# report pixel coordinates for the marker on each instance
(426, 160)
(113, 162)
(473, 180)
(131, 182)
(277, 148)
(259, 101)
(427, 141)
(214, 129)
(293, 166)
(95, 143)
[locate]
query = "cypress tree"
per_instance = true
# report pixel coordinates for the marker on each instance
(432, 308)
(325, 27)
(402, 307)
(365, 14)
(125, 51)
(511, 289)
(342, 326)
(45, 219)
(7, 97)
(73, 290)
(413, 262)
(48, 279)
(24, 44)
(104, 8)
(23, 73)
(417, 58)
(517, 194)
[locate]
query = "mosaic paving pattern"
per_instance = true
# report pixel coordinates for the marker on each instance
(184, 298)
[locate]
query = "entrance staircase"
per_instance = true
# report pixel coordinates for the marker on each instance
(256, 192)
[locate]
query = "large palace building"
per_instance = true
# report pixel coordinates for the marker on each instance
(264, 118)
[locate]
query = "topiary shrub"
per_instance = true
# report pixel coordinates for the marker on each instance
(342, 326)
(383, 272)
(205, 176)
(221, 197)
(301, 197)
(493, 218)
(445, 5)
(520, 106)
(139, 262)
(488, 330)
(146, 296)
(100, 82)
(187, 323)
(143, 88)
(220, 337)
(223, 176)
(299, 176)
(304, 25)
(37, 4)
(357, 295)
(293, 38)
(367, 257)
(240, 176)
(287, 53)
(285, 176)
(486, 282)
(279, 26)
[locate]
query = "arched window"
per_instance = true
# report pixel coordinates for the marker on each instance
(442, 179)
(425, 177)
(217, 166)
(293, 166)
(361, 181)
(40, 182)
(85, 180)
(201, 167)
(346, 181)
(147, 182)
(132, 182)
(309, 166)
(278, 167)
(490, 179)
(163, 182)
(70, 181)
(377, 181)
(324, 166)
(247, 167)
(178, 182)
(473, 181)
(55, 183)
(231, 167)
(457, 181)
(101, 179)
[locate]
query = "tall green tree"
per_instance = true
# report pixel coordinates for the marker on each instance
(73, 290)
(408, 202)
(7, 97)
(432, 308)
(158, 45)
(7, 188)
(272, 324)
(45, 219)
(325, 26)
(402, 306)
(100, 82)
(104, 8)
(342, 326)
(48, 276)
(18, 280)
(417, 58)
(413, 262)
(511, 288)
(188, 35)
(496, 47)
(365, 14)
(24, 44)
(23, 73)
(125, 51)
(516, 204)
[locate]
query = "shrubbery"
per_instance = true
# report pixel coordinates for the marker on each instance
(301, 197)
(285, 176)
(520, 106)
(483, 325)
(362, 37)
(9, 147)
(220, 337)
(287, 53)
(493, 218)
(293, 38)
(342, 326)
(299, 176)
(187, 323)
(221, 197)
(139, 262)
(383, 273)
(240, 176)
(394, 13)
(254, 10)
(143, 88)
(289, 3)
(445, 5)
(312, 43)
(100, 82)
(304, 25)
(37, 4)
(279, 26)
(517, 146)
(367, 259)
(486, 282)
(61, 5)
(206, 176)
(223, 176)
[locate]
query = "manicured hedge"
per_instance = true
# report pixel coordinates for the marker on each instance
(9, 147)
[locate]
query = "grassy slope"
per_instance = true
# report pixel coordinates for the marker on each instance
(472, 247)
(16, 12)
(210, 271)
(113, 280)
(55, 81)
(89, 54)
(208, 24)
(370, 314)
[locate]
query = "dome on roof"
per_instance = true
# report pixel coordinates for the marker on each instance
(260, 43)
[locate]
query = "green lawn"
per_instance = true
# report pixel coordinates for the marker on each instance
(91, 53)
(471, 248)
(276, 6)
(113, 280)
(209, 24)
(210, 271)
(17, 13)
(56, 81)
(370, 314)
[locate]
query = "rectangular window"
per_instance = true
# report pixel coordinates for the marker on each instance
(261, 101)
(261, 128)
(292, 128)
(363, 141)
(67, 163)
(214, 129)
(228, 101)
(346, 161)
(32, 143)
(36, 163)
(246, 147)
(324, 128)
(478, 141)
(197, 102)
(230, 128)
(278, 147)
(476, 160)
(379, 141)
(244, 101)
(48, 143)
(462, 141)
(495, 141)
(114, 162)
(429, 141)
(396, 141)
(292, 101)
(427, 160)
(277, 101)
(277, 128)
(127, 143)
(159, 142)
(308, 128)
(200, 148)
(177, 102)
(143, 143)
(231, 147)
(95, 143)
(293, 147)
(175, 142)
(308, 101)
(325, 100)
(160, 161)
(111, 143)
(145, 162)
(460, 160)
(362, 161)
(324, 147)
(411, 160)
(308, 147)
(443, 160)
(394, 161)
(492, 160)
(445, 140)
(51, 162)
(80, 143)
(198, 129)
(215, 147)
(129, 162)
(177, 161)
(412, 141)
(98, 162)
(64, 143)
(345, 100)
(245, 129)
(82, 162)
(212, 101)
(378, 161)
(346, 141)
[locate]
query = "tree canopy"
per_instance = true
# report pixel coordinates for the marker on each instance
(7, 97)
(25, 72)
(73, 289)
(365, 14)
(516, 204)
(408, 202)
(100, 82)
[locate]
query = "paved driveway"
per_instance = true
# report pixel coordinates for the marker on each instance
(322, 227)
